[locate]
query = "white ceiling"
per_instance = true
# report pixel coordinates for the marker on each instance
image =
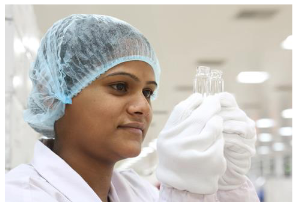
(185, 36)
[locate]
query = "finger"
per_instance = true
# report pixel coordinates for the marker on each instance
(201, 141)
(182, 110)
(242, 129)
(227, 100)
(193, 102)
(233, 114)
(235, 127)
(209, 107)
(213, 129)
(238, 145)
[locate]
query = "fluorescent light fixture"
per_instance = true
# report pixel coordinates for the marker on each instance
(263, 150)
(265, 137)
(252, 77)
(265, 123)
(287, 44)
(17, 81)
(288, 113)
(285, 131)
(278, 146)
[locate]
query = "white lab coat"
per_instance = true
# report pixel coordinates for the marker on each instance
(50, 178)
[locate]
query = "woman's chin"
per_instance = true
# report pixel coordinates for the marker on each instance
(131, 150)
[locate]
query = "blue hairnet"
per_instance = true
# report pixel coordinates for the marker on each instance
(74, 52)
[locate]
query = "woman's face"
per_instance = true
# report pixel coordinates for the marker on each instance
(110, 117)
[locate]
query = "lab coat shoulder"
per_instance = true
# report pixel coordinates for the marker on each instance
(141, 187)
(24, 184)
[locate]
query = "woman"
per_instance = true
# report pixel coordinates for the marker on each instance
(93, 81)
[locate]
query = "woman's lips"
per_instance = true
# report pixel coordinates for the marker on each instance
(133, 127)
(132, 130)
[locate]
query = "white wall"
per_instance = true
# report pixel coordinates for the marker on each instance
(22, 39)
(278, 190)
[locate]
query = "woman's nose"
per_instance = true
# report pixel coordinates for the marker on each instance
(139, 106)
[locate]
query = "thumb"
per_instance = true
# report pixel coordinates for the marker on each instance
(182, 110)
(227, 100)
(190, 104)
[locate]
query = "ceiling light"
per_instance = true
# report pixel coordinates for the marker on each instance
(252, 77)
(263, 150)
(278, 146)
(265, 137)
(285, 131)
(17, 81)
(288, 113)
(265, 123)
(287, 44)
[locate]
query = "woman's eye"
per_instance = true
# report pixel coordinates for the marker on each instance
(120, 87)
(148, 93)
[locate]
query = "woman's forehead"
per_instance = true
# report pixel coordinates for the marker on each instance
(138, 68)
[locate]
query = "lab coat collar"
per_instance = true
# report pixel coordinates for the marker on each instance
(60, 175)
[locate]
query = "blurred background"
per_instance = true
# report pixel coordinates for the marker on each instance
(251, 44)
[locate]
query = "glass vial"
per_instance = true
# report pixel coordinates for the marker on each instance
(202, 81)
(216, 81)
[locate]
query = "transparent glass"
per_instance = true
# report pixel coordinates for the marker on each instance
(208, 82)
(202, 81)
(216, 81)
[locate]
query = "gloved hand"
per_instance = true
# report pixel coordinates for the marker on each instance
(190, 146)
(240, 136)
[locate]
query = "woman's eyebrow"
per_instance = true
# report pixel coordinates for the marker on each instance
(135, 78)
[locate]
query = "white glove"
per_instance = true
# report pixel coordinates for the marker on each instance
(191, 148)
(240, 136)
